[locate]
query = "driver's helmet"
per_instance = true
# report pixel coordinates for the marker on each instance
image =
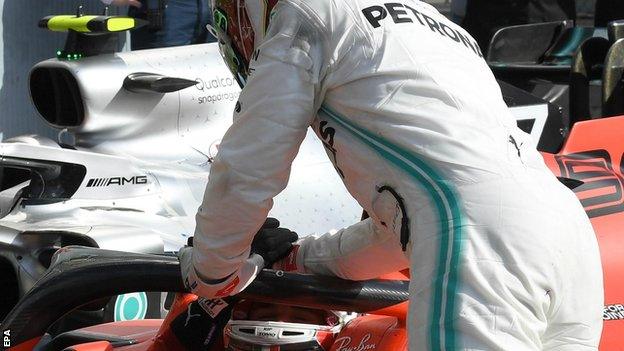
(257, 327)
(237, 25)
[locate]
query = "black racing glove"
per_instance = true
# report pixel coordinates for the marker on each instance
(272, 242)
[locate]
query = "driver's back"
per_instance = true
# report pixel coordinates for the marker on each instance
(415, 124)
(406, 72)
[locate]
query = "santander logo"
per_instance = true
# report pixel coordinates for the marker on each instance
(344, 344)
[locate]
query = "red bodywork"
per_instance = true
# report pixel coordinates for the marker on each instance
(593, 154)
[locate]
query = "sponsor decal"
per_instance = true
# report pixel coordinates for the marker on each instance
(613, 312)
(327, 137)
(602, 191)
(344, 344)
(207, 99)
(212, 307)
(218, 83)
(228, 288)
(513, 142)
(129, 307)
(102, 182)
(267, 332)
(405, 14)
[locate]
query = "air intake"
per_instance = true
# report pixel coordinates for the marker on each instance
(55, 93)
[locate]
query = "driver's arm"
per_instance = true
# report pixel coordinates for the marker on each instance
(253, 164)
(358, 252)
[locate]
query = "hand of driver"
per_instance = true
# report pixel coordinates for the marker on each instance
(272, 242)
(230, 285)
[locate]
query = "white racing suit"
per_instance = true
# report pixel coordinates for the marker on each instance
(502, 256)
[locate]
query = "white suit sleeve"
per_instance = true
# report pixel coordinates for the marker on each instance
(253, 164)
(357, 252)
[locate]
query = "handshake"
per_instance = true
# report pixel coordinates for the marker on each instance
(270, 246)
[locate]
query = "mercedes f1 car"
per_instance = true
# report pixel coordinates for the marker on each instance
(137, 134)
(587, 154)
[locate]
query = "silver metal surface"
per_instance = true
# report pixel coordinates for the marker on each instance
(160, 145)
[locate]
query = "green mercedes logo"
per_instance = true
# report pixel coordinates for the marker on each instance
(130, 307)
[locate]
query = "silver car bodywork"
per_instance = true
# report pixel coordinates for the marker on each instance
(138, 162)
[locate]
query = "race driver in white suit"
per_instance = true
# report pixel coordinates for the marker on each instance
(502, 256)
